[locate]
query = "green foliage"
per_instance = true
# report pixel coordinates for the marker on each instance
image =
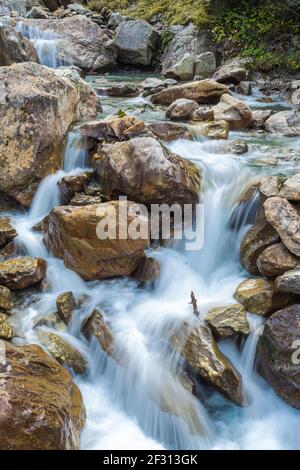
(121, 113)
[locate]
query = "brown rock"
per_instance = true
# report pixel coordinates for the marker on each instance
(6, 330)
(289, 281)
(291, 188)
(82, 199)
(22, 272)
(65, 304)
(259, 117)
(167, 131)
(235, 112)
(69, 185)
(123, 90)
(181, 109)
(275, 260)
(14, 47)
(269, 186)
(148, 270)
(5, 299)
(7, 231)
(227, 321)
(110, 130)
(95, 325)
(203, 114)
(286, 123)
(230, 73)
(214, 130)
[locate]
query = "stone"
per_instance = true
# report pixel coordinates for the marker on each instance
(115, 20)
(14, 47)
(269, 186)
(82, 199)
(168, 131)
(39, 105)
(39, 402)
(203, 114)
(22, 272)
(72, 233)
(214, 130)
(289, 281)
(275, 260)
(277, 346)
(147, 173)
(285, 219)
(5, 299)
(227, 321)
(230, 74)
(63, 352)
(65, 304)
(147, 271)
(295, 98)
(183, 69)
(109, 130)
(123, 90)
(135, 41)
(71, 184)
(6, 330)
(38, 12)
(259, 117)
(291, 188)
(151, 83)
(244, 88)
(205, 64)
(181, 109)
(238, 147)
(95, 325)
(235, 112)
(261, 297)
(286, 123)
(203, 91)
(7, 231)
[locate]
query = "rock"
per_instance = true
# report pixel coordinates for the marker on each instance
(38, 12)
(135, 41)
(53, 5)
(205, 65)
(269, 186)
(181, 109)
(95, 325)
(123, 90)
(286, 123)
(7, 231)
(147, 172)
(39, 402)
(169, 82)
(115, 20)
(295, 98)
(72, 234)
(259, 117)
(14, 47)
(111, 129)
(244, 88)
(183, 69)
(81, 199)
(261, 297)
(276, 356)
(148, 270)
(203, 114)
(235, 112)
(285, 219)
(275, 260)
(230, 74)
(291, 188)
(238, 147)
(152, 83)
(205, 360)
(228, 321)
(214, 130)
(63, 351)
(289, 281)
(6, 330)
(69, 185)
(5, 299)
(22, 272)
(39, 105)
(203, 91)
(167, 131)
(65, 304)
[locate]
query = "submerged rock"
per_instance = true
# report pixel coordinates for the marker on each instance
(203, 91)
(181, 109)
(227, 321)
(39, 402)
(22, 272)
(275, 260)
(65, 304)
(235, 112)
(286, 123)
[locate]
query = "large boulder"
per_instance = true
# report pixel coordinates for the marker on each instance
(147, 172)
(289, 281)
(14, 47)
(38, 106)
(276, 358)
(112, 129)
(291, 188)
(230, 320)
(235, 112)
(71, 233)
(230, 73)
(41, 407)
(285, 219)
(181, 109)
(285, 123)
(20, 6)
(135, 41)
(275, 260)
(202, 91)
(22, 272)
(79, 42)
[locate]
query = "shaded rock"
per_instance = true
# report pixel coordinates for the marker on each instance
(205, 65)
(115, 19)
(291, 188)
(276, 357)
(167, 131)
(238, 147)
(63, 352)
(206, 361)
(215, 130)
(5, 299)
(95, 325)
(244, 88)
(231, 73)
(148, 173)
(259, 117)
(148, 270)
(7, 231)
(14, 47)
(235, 112)
(289, 281)
(135, 41)
(111, 129)
(38, 12)
(65, 304)
(69, 185)
(295, 98)
(22, 272)
(123, 90)
(183, 69)
(72, 234)
(285, 123)
(203, 91)
(6, 330)
(261, 297)
(285, 219)
(152, 83)
(82, 199)
(39, 402)
(203, 114)
(181, 109)
(275, 260)
(227, 321)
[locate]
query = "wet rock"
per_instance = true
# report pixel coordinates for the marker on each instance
(95, 325)
(291, 188)
(82, 199)
(238, 147)
(111, 129)
(285, 219)
(205, 65)
(181, 109)
(6, 330)
(261, 297)
(14, 47)
(65, 304)
(259, 117)
(39, 105)
(69, 185)
(286, 123)
(5, 299)
(63, 352)
(203, 114)
(227, 321)
(148, 173)
(275, 260)
(22, 272)
(71, 233)
(151, 83)
(206, 361)
(148, 270)
(167, 131)
(289, 281)
(123, 90)
(215, 130)
(46, 402)
(203, 91)
(269, 186)
(7, 231)
(235, 112)
(231, 73)
(135, 42)
(276, 356)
